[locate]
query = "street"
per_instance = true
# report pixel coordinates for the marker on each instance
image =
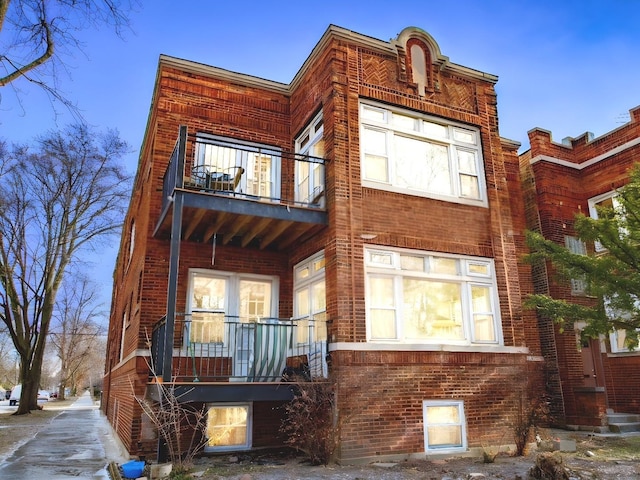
(78, 443)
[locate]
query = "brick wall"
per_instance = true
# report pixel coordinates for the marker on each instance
(339, 75)
(555, 193)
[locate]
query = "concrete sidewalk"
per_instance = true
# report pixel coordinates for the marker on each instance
(78, 443)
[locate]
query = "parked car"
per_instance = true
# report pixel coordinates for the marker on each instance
(14, 398)
(43, 395)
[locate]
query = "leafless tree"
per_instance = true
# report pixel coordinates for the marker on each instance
(64, 196)
(8, 374)
(75, 333)
(38, 36)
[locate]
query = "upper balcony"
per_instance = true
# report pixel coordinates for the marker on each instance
(241, 194)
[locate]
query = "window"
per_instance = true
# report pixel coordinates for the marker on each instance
(216, 296)
(606, 203)
(444, 426)
(309, 170)
(404, 152)
(310, 300)
(132, 239)
(125, 325)
(229, 427)
(422, 297)
(619, 343)
(226, 164)
(578, 247)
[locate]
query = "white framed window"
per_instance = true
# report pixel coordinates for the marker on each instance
(125, 325)
(216, 298)
(578, 247)
(426, 297)
(406, 152)
(228, 164)
(310, 171)
(618, 339)
(309, 302)
(132, 240)
(607, 200)
(444, 426)
(310, 313)
(229, 426)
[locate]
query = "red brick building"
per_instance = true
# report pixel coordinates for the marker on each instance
(363, 223)
(585, 380)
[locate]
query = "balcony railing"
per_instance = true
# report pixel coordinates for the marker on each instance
(214, 347)
(222, 166)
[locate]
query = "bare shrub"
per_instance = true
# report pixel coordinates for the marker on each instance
(533, 410)
(309, 422)
(180, 425)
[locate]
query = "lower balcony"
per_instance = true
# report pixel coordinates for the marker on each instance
(218, 357)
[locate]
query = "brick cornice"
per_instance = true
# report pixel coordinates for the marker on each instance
(332, 33)
(588, 163)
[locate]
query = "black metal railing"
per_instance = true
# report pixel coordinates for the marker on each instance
(214, 347)
(222, 166)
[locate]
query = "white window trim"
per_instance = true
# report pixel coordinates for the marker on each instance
(314, 133)
(307, 283)
(385, 126)
(463, 425)
(613, 339)
(249, 443)
(465, 279)
(593, 213)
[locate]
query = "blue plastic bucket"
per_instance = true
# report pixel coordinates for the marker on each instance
(133, 469)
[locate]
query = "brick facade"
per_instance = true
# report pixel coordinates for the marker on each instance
(560, 179)
(380, 391)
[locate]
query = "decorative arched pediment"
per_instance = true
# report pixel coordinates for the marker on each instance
(422, 52)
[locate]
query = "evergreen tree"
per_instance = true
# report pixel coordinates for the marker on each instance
(612, 276)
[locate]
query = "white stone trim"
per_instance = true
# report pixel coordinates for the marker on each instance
(421, 347)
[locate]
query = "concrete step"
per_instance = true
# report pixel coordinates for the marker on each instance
(623, 417)
(623, 422)
(624, 427)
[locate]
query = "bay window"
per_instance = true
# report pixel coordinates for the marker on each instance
(309, 170)
(423, 297)
(411, 153)
(310, 307)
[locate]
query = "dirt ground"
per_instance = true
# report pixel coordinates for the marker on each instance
(596, 457)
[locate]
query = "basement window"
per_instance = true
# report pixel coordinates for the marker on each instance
(444, 426)
(228, 427)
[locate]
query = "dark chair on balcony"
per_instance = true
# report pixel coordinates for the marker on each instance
(210, 177)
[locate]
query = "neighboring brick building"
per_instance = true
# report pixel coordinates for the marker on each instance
(363, 222)
(562, 179)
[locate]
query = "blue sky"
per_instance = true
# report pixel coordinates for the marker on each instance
(565, 66)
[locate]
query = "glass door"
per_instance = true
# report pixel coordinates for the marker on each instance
(254, 298)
